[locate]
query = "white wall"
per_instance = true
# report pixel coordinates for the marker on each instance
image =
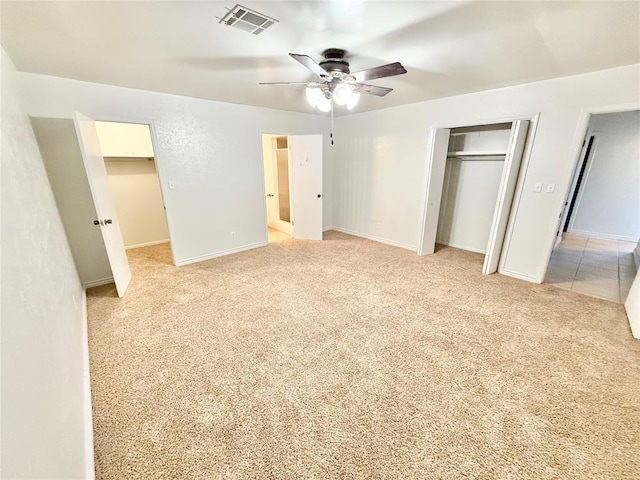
(68, 179)
(137, 198)
(609, 203)
(211, 151)
(44, 356)
(381, 158)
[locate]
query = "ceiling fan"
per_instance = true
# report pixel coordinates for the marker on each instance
(338, 85)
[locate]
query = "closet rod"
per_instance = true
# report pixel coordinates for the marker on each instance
(497, 156)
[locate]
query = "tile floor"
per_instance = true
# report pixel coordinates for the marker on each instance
(592, 266)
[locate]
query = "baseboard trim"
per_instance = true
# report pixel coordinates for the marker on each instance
(90, 469)
(326, 229)
(603, 236)
(520, 276)
(375, 239)
(97, 283)
(463, 247)
(147, 244)
(202, 258)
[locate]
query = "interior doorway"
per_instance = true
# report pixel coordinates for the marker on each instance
(471, 188)
(129, 157)
(277, 184)
(293, 186)
(599, 227)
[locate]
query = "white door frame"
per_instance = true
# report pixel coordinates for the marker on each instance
(533, 119)
(574, 189)
(273, 133)
(576, 149)
(158, 162)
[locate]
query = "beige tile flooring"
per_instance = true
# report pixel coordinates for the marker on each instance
(277, 235)
(592, 266)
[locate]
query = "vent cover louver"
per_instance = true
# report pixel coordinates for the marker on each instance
(248, 20)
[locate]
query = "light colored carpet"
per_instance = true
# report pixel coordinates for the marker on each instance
(349, 359)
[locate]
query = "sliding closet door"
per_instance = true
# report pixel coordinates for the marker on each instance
(505, 195)
(435, 183)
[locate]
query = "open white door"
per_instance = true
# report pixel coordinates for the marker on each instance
(506, 191)
(98, 183)
(306, 181)
(435, 183)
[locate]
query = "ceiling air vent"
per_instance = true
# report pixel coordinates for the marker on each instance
(248, 20)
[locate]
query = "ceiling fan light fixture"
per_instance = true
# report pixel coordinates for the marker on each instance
(342, 94)
(314, 95)
(324, 104)
(353, 101)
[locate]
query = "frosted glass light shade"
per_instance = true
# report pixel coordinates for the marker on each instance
(324, 104)
(314, 95)
(342, 94)
(353, 101)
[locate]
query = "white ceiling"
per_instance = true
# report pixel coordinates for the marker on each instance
(448, 48)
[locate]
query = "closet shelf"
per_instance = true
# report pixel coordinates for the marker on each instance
(462, 153)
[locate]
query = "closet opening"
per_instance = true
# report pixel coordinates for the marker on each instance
(134, 184)
(471, 187)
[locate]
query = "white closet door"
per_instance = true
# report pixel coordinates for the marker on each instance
(435, 182)
(506, 191)
(99, 186)
(305, 153)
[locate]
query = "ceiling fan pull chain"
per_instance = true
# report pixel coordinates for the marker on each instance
(331, 135)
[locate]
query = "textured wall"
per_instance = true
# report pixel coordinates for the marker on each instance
(379, 170)
(211, 151)
(43, 344)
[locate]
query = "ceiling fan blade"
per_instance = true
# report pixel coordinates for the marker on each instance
(372, 89)
(282, 83)
(310, 63)
(382, 71)
(308, 84)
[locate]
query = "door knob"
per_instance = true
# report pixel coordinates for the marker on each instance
(319, 195)
(108, 221)
(269, 194)
(96, 222)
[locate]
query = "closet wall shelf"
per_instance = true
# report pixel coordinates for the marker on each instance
(476, 154)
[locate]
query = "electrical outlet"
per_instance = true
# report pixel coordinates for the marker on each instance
(233, 234)
(378, 226)
(551, 188)
(172, 185)
(537, 187)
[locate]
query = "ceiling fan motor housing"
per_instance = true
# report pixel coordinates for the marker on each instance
(335, 61)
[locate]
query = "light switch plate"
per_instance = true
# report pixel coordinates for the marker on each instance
(537, 187)
(551, 187)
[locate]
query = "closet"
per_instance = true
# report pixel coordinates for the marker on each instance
(471, 187)
(133, 181)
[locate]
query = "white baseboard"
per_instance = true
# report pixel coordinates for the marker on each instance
(326, 229)
(520, 276)
(604, 236)
(90, 470)
(202, 258)
(375, 239)
(97, 283)
(148, 244)
(463, 247)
